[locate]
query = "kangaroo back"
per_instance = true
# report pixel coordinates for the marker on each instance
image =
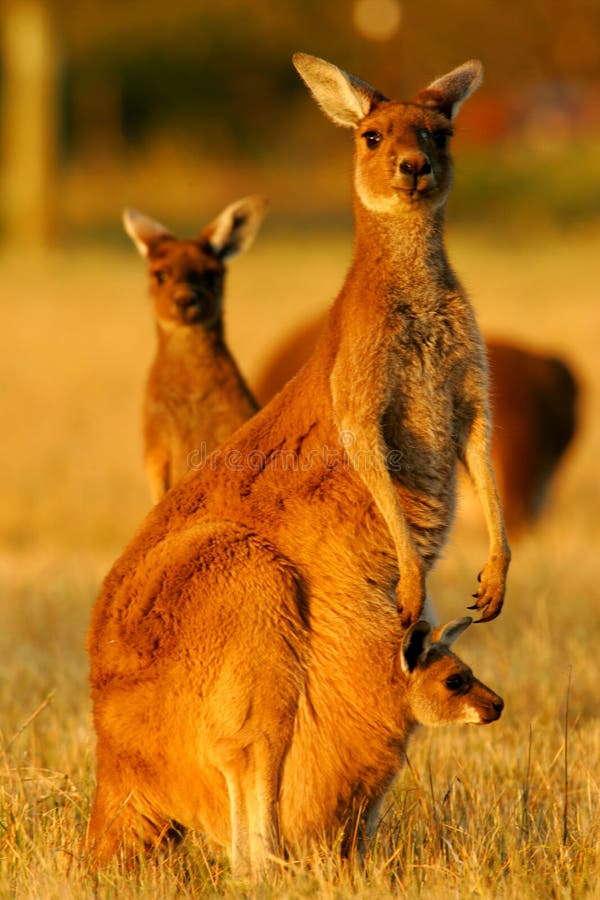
(534, 401)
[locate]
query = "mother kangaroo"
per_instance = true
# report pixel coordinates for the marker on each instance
(256, 623)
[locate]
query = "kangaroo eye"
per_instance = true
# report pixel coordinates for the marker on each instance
(454, 682)
(160, 276)
(441, 138)
(372, 138)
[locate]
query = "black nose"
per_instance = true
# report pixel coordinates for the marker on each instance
(416, 166)
(498, 704)
(187, 298)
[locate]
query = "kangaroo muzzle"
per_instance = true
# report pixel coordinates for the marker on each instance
(416, 173)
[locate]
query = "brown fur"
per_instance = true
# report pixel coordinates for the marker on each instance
(195, 394)
(291, 740)
(244, 647)
(408, 381)
(534, 407)
(534, 401)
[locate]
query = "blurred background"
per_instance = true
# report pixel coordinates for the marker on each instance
(181, 105)
(179, 108)
(176, 109)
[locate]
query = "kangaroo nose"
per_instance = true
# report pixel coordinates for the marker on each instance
(415, 171)
(415, 165)
(185, 297)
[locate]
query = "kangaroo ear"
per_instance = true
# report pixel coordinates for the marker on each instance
(143, 231)
(447, 634)
(234, 229)
(449, 92)
(416, 643)
(343, 97)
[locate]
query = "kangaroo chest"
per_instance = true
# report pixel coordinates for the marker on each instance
(419, 422)
(426, 330)
(423, 365)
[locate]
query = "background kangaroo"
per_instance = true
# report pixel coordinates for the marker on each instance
(195, 394)
(534, 399)
(339, 716)
(256, 609)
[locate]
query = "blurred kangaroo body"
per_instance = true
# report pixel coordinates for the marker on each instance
(248, 633)
(195, 395)
(534, 400)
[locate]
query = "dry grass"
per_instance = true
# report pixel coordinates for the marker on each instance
(502, 811)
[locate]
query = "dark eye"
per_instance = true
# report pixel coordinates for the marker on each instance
(160, 276)
(204, 281)
(441, 138)
(454, 682)
(372, 138)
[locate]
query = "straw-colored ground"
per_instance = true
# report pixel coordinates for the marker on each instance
(512, 810)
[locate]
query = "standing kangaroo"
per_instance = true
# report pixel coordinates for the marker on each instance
(195, 394)
(244, 647)
(408, 382)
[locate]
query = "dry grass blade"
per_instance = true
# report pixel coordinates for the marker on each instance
(565, 833)
(47, 699)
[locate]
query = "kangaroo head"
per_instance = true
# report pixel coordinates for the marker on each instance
(440, 688)
(186, 276)
(402, 157)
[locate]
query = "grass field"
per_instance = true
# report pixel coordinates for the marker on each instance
(512, 810)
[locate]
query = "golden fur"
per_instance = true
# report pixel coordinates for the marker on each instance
(250, 671)
(265, 730)
(408, 377)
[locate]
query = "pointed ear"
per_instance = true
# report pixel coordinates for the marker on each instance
(417, 641)
(343, 97)
(449, 92)
(234, 229)
(447, 634)
(142, 230)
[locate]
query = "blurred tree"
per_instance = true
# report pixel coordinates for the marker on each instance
(211, 84)
(197, 64)
(29, 120)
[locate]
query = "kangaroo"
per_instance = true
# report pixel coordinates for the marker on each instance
(337, 713)
(268, 591)
(534, 400)
(408, 382)
(535, 406)
(195, 394)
